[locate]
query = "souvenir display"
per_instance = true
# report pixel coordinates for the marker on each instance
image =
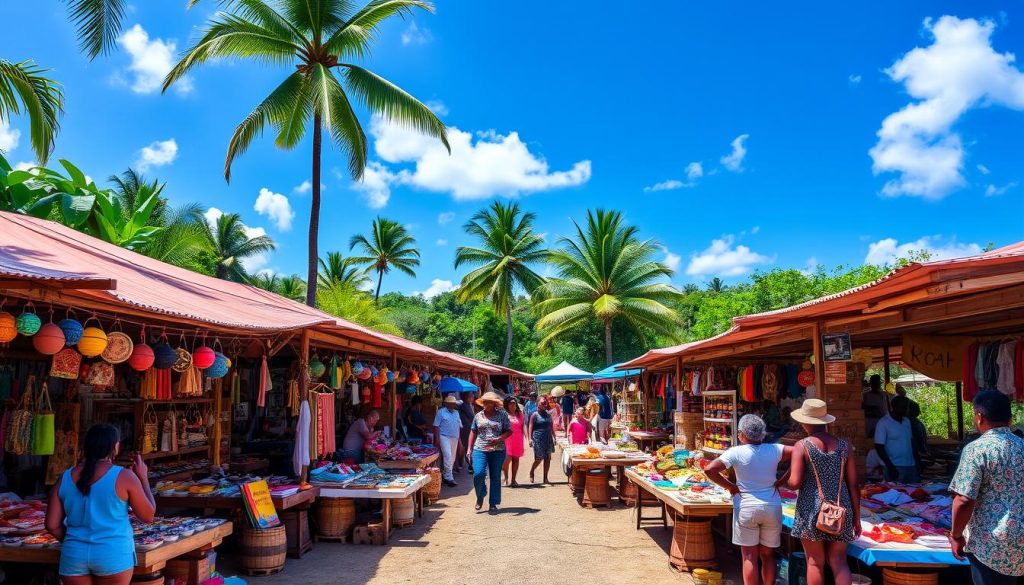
(119, 348)
(49, 339)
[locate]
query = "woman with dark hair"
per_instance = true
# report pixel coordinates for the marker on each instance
(515, 444)
(542, 438)
(88, 512)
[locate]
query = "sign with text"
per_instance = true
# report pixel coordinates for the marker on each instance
(835, 372)
(941, 358)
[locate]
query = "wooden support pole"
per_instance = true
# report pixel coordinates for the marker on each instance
(960, 410)
(885, 369)
(819, 360)
(304, 389)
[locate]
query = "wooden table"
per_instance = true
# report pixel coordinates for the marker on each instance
(409, 464)
(146, 562)
(619, 464)
(293, 510)
(643, 438)
(386, 495)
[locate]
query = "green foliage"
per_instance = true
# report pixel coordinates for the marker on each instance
(389, 246)
(353, 305)
(24, 86)
(336, 268)
(230, 245)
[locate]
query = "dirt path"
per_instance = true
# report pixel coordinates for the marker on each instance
(540, 536)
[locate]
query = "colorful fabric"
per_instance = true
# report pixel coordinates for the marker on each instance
(770, 382)
(1005, 366)
(488, 429)
(991, 472)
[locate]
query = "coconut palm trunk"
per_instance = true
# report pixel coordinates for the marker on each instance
(508, 342)
(607, 343)
(314, 217)
(380, 281)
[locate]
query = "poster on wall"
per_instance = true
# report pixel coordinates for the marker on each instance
(835, 373)
(836, 347)
(938, 357)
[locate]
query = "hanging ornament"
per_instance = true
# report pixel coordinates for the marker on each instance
(93, 340)
(119, 348)
(316, 368)
(49, 339)
(8, 327)
(72, 331)
(164, 354)
(203, 357)
(357, 369)
(219, 368)
(142, 357)
(28, 322)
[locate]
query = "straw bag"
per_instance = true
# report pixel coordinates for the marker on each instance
(19, 434)
(150, 429)
(42, 424)
(831, 517)
(65, 452)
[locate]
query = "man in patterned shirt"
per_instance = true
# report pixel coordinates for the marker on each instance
(989, 501)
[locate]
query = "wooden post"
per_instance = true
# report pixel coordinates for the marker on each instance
(218, 398)
(960, 410)
(304, 389)
(393, 393)
(819, 360)
(885, 369)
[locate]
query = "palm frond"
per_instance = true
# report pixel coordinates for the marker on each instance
(383, 97)
(98, 23)
(353, 38)
(24, 85)
(274, 107)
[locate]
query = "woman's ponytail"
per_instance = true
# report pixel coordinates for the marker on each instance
(100, 441)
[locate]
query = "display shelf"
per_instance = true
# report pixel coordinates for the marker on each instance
(719, 431)
(713, 450)
(718, 393)
(169, 454)
(719, 420)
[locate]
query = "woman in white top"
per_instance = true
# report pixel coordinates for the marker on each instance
(757, 505)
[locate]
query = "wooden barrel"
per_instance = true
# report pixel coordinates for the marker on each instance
(596, 491)
(629, 492)
(262, 550)
(577, 480)
(403, 511)
(692, 544)
(335, 517)
(433, 489)
(909, 577)
(156, 578)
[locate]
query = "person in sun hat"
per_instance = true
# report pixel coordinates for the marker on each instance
(487, 435)
(823, 460)
(447, 431)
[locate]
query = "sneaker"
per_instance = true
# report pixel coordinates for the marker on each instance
(450, 483)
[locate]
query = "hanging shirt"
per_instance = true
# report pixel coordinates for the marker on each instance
(1005, 362)
(300, 456)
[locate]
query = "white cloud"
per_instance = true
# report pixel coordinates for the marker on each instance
(854, 80)
(957, 72)
(694, 171)
(479, 167)
(438, 107)
(157, 154)
(721, 258)
(442, 242)
(152, 60)
(26, 166)
(8, 136)
(252, 264)
(671, 260)
(992, 190)
(889, 250)
(810, 266)
(276, 207)
(376, 185)
(306, 187)
(983, 169)
(734, 160)
(445, 217)
(415, 35)
(437, 286)
(755, 230)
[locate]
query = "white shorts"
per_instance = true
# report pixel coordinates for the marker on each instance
(756, 523)
(604, 425)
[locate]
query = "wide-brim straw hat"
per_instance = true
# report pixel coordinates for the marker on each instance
(490, 397)
(451, 399)
(813, 412)
(558, 391)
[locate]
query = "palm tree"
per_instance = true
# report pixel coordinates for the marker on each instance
(232, 245)
(98, 22)
(716, 285)
(292, 287)
(608, 273)
(337, 268)
(23, 86)
(348, 302)
(315, 35)
(507, 247)
(266, 280)
(182, 238)
(389, 246)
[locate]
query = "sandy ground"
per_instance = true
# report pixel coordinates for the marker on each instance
(540, 535)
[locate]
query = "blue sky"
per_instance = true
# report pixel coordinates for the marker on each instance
(739, 136)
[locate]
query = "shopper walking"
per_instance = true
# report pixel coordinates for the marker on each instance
(487, 436)
(757, 505)
(604, 415)
(447, 430)
(466, 413)
(542, 438)
(988, 508)
(894, 441)
(567, 406)
(515, 444)
(823, 471)
(531, 406)
(88, 512)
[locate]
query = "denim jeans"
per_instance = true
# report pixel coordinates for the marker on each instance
(488, 463)
(982, 574)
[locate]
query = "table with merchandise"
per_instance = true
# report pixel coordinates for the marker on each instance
(369, 481)
(600, 456)
(224, 493)
(402, 456)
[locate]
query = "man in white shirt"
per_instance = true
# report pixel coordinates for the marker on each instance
(894, 441)
(757, 505)
(447, 429)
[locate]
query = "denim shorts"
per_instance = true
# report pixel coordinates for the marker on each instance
(80, 558)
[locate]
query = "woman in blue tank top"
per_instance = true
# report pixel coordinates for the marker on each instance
(88, 513)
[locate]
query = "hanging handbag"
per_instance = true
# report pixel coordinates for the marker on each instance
(150, 429)
(42, 424)
(66, 364)
(831, 517)
(65, 452)
(19, 434)
(101, 375)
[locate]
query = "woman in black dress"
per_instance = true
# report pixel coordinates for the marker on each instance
(542, 439)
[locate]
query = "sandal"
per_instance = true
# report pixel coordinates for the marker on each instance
(479, 504)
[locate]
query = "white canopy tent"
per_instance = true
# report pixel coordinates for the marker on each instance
(564, 372)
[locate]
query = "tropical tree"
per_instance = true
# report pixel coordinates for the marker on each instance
(507, 247)
(25, 87)
(231, 245)
(266, 280)
(292, 287)
(336, 268)
(716, 285)
(389, 246)
(317, 36)
(348, 302)
(606, 273)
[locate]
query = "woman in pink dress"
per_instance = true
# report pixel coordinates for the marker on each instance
(515, 444)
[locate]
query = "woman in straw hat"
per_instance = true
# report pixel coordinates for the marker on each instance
(487, 436)
(823, 469)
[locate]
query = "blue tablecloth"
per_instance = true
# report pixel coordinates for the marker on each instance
(873, 555)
